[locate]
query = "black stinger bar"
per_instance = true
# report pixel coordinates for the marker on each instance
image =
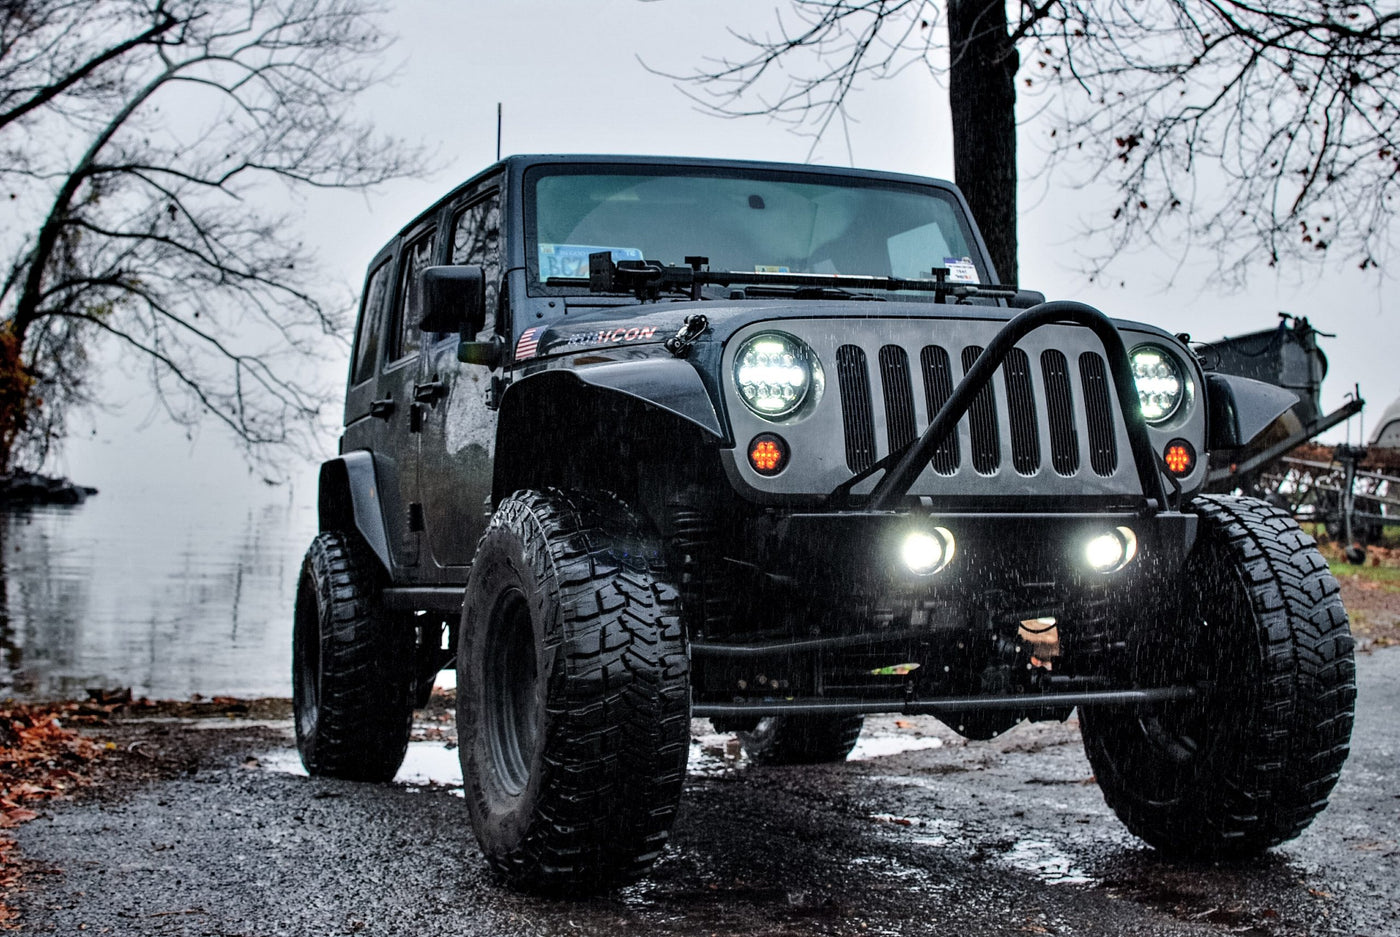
(895, 484)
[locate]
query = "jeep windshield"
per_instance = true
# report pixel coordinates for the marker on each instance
(745, 220)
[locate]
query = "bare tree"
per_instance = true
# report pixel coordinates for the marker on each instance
(1261, 133)
(138, 139)
(1255, 132)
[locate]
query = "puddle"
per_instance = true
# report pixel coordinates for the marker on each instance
(887, 867)
(1043, 860)
(716, 753)
(426, 765)
(712, 754)
(883, 746)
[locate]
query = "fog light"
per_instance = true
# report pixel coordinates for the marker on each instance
(925, 552)
(1111, 551)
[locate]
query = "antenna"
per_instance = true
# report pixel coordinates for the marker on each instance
(498, 131)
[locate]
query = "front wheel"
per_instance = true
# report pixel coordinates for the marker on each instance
(573, 703)
(1250, 762)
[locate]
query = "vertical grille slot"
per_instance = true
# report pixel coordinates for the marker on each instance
(1059, 406)
(856, 410)
(1103, 446)
(1020, 406)
(938, 387)
(982, 422)
(899, 396)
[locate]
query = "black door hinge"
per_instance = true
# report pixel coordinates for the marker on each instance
(494, 390)
(415, 516)
(415, 417)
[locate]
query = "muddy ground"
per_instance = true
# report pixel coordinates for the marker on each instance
(201, 829)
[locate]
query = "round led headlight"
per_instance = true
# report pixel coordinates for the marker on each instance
(1161, 383)
(775, 373)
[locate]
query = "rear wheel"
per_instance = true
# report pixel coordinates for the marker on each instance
(573, 703)
(352, 667)
(801, 740)
(1250, 762)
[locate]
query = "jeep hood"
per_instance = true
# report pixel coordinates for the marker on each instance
(653, 323)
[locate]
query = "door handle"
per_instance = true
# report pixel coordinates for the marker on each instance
(381, 408)
(430, 392)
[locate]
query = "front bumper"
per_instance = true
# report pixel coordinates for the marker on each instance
(1030, 560)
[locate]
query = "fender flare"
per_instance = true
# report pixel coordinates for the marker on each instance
(349, 498)
(1241, 408)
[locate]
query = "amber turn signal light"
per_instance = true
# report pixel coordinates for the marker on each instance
(768, 454)
(1180, 457)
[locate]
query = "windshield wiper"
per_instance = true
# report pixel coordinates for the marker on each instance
(648, 279)
(801, 292)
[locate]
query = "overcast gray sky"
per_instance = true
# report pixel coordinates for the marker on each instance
(568, 76)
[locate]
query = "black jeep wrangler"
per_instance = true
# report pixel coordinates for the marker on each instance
(632, 440)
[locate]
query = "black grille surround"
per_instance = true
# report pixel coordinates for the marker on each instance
(1048, 424)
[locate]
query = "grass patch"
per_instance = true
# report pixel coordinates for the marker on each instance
(1387, 577)
(1382, 566)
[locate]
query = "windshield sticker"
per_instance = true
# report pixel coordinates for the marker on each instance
(529, 343)
(634, 334)
(960, 270)
(769, 268)
(571, 260)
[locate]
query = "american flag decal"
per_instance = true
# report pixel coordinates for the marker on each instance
(529, 343)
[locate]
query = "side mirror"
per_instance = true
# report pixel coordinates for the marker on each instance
(454, 299)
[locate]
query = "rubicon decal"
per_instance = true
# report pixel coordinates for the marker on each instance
(607, 336)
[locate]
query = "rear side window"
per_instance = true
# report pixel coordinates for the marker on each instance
(371, 325)
(416, 257)
(476, 239)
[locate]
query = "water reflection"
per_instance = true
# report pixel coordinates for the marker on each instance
(168, 593)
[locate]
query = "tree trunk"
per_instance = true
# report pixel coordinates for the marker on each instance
(982, 92)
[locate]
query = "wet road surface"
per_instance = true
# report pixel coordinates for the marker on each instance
(1002, 837)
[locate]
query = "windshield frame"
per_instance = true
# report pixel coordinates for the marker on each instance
(927, 188)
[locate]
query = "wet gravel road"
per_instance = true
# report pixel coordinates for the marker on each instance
(1002, 837)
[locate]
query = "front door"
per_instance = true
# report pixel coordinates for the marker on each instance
(458, 440)
(396, 449)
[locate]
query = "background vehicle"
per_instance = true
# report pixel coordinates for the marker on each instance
(1350, 490)
(633, 440)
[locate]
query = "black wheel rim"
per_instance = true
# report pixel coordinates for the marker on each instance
(1168, 746)
(306, 657)
(511, 698)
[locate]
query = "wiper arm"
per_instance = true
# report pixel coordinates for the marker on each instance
(803, 292)
(648, 279)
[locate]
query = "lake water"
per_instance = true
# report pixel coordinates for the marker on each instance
(168, 591)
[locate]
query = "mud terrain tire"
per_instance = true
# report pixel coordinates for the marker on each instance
(573, 704)
(801, 740)
(352, 673)
(1250, 762)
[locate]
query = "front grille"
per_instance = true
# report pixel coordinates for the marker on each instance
(1025, 398)
(938, 387)
(1103, 446)
(1020, 401)
(982, 420)
(899, 396)
(1059, 404)
(858, 415)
